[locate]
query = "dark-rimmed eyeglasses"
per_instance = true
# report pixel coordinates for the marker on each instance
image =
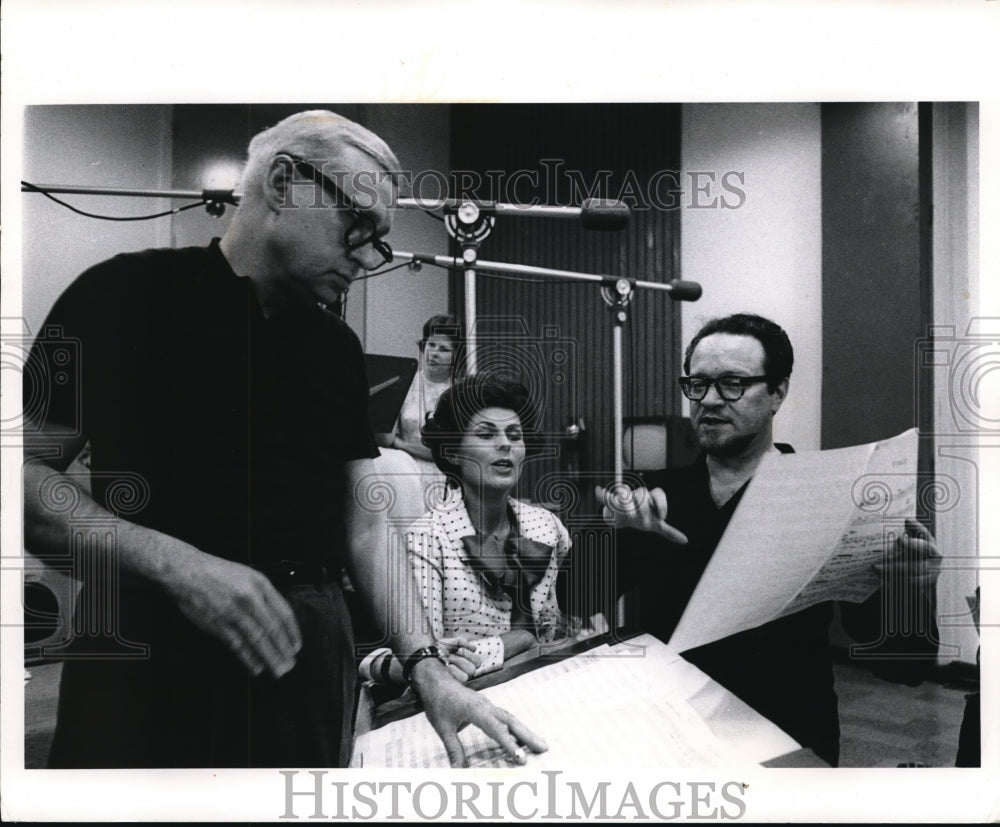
(729, 388)
(362, 229)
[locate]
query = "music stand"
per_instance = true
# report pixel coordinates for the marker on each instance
(389, 378)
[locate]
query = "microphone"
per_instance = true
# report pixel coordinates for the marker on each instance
(685, 291)
(594, 214)
(604, 214)
(216, 200)
(221, 196)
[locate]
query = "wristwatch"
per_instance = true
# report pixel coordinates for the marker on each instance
(419, 655)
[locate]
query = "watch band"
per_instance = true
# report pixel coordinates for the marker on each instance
(415, 658)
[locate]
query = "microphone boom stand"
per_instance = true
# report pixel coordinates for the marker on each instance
(469, 226)
(469, 223)
(215, 200)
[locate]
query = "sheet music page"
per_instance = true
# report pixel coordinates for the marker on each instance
(884, 496)
(620, 706)
(792, 514)
(804, 532)
(412, 742)
(729, 718)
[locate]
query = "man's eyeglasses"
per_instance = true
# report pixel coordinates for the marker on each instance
(729, 388)
(362, 229)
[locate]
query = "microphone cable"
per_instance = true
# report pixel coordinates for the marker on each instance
(383, 271)
(33, 188)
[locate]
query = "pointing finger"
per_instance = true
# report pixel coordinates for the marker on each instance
(526, 736)
(499, 732)
(502, 727)
(672, 534)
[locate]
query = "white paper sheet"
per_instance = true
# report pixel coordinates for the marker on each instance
(809, 528)
(624, 706)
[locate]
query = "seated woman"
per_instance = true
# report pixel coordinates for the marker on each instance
(486, 564)
(405, 461)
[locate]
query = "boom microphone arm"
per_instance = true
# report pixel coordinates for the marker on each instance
(617, 294)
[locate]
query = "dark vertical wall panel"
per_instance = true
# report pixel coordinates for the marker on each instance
(871, 270)
(622, 147)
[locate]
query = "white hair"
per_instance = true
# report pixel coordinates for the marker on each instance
(316, 135)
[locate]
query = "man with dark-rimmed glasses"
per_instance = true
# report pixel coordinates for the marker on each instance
(737, 375)
(214, 382)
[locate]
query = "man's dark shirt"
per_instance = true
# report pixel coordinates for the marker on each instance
(783, 669)
(239, 426)
(227, 430)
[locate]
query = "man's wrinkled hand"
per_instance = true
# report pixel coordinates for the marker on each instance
(451, 706)
(239, 606)
(638, 509)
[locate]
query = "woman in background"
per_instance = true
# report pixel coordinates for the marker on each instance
(438, 352)
(406, 462)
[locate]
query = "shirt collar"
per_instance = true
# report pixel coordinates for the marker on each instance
(459, 525)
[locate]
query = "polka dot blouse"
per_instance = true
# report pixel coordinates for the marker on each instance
(456, 598)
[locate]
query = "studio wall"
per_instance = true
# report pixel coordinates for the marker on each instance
(874, 307)
(92, 146)
(765, 254)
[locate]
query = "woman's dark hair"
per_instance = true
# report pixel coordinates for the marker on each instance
(446, 325)
(441, 325)
(778, 354)
(444, 431)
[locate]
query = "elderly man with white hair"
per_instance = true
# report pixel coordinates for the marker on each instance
(215, 382)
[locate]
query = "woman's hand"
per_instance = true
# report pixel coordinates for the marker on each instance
(461, 657)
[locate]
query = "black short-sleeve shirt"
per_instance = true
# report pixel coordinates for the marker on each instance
(225, 429)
